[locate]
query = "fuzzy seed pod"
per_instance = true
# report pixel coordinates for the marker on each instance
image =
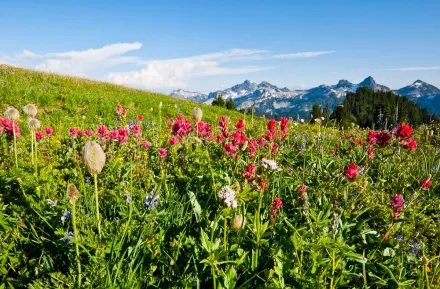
(197, 114)
(238, 222)
(12, 114)
(30, 110)
(33, 124)
(93, 157)
(72, 193)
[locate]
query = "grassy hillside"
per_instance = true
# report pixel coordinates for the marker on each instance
(65, 100)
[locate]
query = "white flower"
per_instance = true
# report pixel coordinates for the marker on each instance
(33, 124)
(227, 195)
(322, 118)
(271, 164)
(301, 120)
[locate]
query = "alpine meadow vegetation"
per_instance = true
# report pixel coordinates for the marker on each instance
(103, 186)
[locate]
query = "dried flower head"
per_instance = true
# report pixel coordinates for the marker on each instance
(12, 114)
(72, 193)
(93, 157)
(33, 124)
(238, 222)
(197, 114)
(30, 110)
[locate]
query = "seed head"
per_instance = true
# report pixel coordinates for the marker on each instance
(238, 222)
(93, 157)
(33, 124)
(30, 110)
(12, 114)
(197, 114)
(72, 193)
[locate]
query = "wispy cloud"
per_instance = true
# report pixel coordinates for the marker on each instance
(153, 74)
(415, 68)
(82, 61)
(308, 54)
(174, 73)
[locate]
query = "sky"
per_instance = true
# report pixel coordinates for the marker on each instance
(210, 45)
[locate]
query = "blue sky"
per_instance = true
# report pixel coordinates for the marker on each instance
(209, 45)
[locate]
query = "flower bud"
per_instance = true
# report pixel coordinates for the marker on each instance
(197, 114)
(238, 222)
(93, 157)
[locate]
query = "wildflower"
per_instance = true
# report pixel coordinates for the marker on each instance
(399, 238)
(123, 135)
(173, 140)
(435, 168)
(425, 184)
(271, 125)
(38, 135)
(249, 171)
(87, 179)
(72, 132)
(128, 198)
(271, 164)
(67, 215)
(51, 203)
(240, 125)
(146, 144)
(382, 138)
(89, 132)
(197, 114)
(227, 195)
(151, 202)
(79, 132)
(262, 185)
(351, 172)
(140, 117)
(332, 152)
(252, 148)
(370, 152)
(302, 190)
(397, 204)
(319, 148)
(284, 128)
(181, 128)
(371, 138)
(238, 222)
(275, 207)
(136, 130)
(162, 152)
(403, 131)
(102, 131)
(409, 144)
(93, 157)
(220, 138)
(230, 149)
(48, 130)
(30, 110)
(66, 239)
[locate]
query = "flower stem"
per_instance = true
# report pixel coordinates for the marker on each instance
(15, 144)
(225, 228)
(32, 146)
(76, 236)
(95, 177)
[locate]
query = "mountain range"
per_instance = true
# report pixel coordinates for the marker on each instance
(269, 99)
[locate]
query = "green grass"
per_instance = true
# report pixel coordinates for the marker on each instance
(65, 100)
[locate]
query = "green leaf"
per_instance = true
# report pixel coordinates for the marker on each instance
(195, 205)
(389, 252)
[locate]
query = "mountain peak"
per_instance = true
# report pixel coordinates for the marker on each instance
(369, 82)
(343, 83)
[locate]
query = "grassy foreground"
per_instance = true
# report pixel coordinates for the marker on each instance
(172, 202)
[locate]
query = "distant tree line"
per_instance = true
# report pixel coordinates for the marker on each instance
(219, 101)
(379, 109)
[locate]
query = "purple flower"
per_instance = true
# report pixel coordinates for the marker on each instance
(400, 238)
(67, 215)
(51, 203)
(150, 202)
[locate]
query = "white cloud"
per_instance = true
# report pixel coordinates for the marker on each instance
(301, 54)
(415, 68)
(174, 73)
(83, 61)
